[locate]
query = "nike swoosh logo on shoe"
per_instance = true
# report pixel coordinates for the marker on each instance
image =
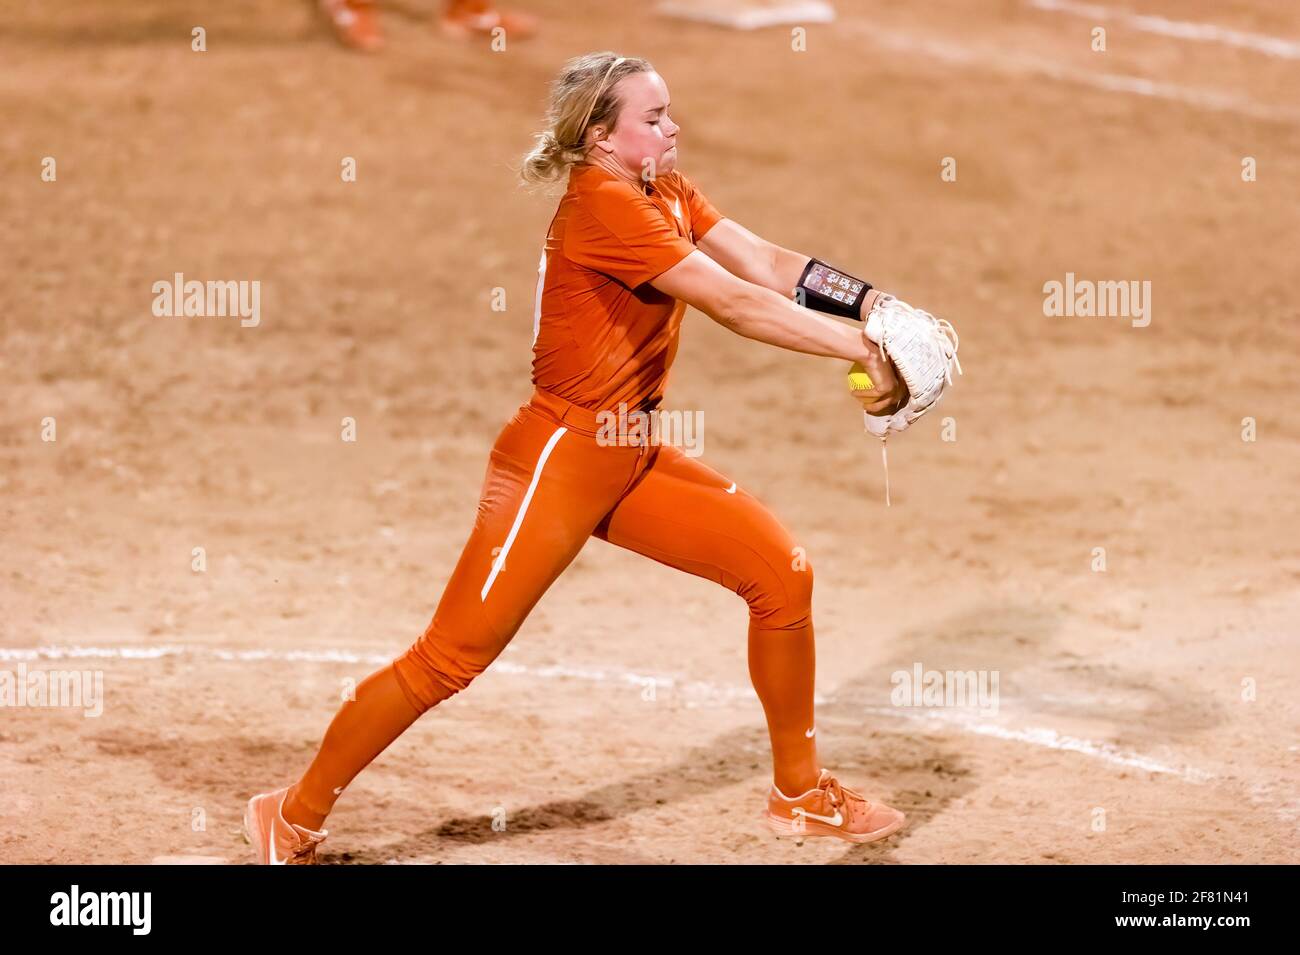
(270, 846)
(835, 820)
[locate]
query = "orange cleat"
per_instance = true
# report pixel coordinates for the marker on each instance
(276, 840)
(469, 18)
(830, 809)
(355, 23)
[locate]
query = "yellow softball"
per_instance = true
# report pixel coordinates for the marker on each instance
(859, 380)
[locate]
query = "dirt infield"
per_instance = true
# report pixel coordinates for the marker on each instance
(1146, 711)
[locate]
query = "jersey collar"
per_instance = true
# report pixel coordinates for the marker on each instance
(581, 171)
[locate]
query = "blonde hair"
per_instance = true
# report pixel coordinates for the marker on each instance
(582, 96)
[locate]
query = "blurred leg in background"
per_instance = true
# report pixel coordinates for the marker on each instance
(355, 23)
(468, 18)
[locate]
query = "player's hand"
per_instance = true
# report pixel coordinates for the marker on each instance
(888, 392)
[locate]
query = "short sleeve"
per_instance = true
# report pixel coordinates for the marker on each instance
(703, 214)
(620, 233)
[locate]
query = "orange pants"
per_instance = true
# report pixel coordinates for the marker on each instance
(550, 485)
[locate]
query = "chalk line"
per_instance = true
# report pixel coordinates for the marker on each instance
(1013, 63)
(1179, 29)
(695, 693)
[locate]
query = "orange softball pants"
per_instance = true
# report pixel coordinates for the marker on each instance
(550, 485)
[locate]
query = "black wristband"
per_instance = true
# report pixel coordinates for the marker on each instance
(825, 288)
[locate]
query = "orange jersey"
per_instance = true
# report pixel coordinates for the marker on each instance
(601, 334)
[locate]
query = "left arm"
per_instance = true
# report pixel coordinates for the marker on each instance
(752, 258)
(759, 262)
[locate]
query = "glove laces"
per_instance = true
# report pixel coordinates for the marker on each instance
(943, 329)
(944, 334)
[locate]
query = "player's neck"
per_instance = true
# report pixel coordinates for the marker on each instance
(615, 168)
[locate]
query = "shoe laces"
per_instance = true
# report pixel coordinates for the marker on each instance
(304, 853)
(837, 794)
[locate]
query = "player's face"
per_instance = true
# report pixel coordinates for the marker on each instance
(644, 137)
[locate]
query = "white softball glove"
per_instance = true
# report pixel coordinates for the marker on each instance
(923, 349)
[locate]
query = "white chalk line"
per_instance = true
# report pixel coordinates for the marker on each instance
(695, 693)
(1179, 29)
(1051, 739)
(1009, 62)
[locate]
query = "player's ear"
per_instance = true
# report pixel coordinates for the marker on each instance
(599, 138)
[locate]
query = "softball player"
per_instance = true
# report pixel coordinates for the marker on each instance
(631, 244)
